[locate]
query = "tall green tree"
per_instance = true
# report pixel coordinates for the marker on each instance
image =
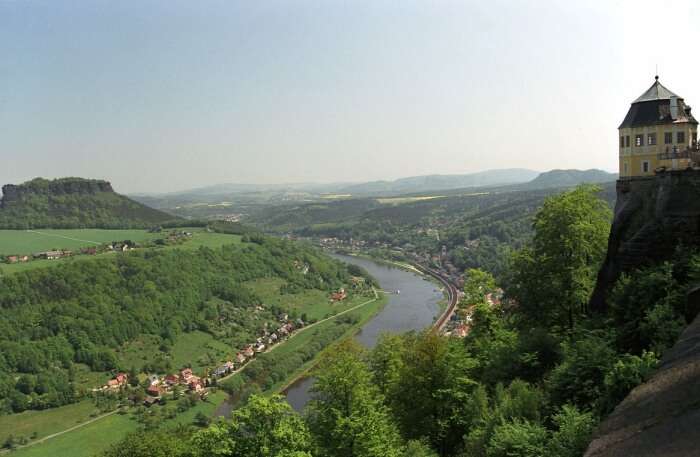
(478, 284)
(552, 278)
(347, 416)
(433, 399)
(264, 427)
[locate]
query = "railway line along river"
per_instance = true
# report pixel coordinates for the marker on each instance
(415, 308)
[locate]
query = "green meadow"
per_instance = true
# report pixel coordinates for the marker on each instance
(30, 241)
(26, 242)
(99, 435)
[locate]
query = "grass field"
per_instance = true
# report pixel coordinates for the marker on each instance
(315, 303)
(28, 242)
(42, 423)
(98, 436)
(197, 348)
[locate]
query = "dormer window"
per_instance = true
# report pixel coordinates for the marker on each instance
(639, 140)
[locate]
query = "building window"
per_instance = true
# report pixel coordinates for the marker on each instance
(680, 137)
(622, 141)
(625, 168)
(627, 141)
(651, 139)
(645, 167)
(668, 138)
(639, 140)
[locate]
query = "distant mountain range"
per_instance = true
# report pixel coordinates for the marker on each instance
(415, 184)
(73, 203)
(410, 184)
(265, 193)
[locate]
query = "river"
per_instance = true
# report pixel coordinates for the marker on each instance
(415, 308)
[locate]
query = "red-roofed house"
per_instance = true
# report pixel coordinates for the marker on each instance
(154, 390)
(186, 374)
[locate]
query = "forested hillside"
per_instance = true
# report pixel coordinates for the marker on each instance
(477, 229)
(534, 376)
(58, 323)
(73, 203)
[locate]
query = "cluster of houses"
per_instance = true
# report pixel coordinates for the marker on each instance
(162, 385)
(115, 246)
(269, 338)
(175, 237)
(50, 255)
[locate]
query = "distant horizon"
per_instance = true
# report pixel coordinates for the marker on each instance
(158, 96)
(295, 184)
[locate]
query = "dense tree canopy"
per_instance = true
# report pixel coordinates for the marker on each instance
(81, 312)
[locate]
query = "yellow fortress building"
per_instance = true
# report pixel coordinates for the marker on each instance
(658, 134)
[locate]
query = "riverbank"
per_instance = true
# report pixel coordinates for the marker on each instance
(415, 308)
(303, 372)
(302, 339)
(445, 288)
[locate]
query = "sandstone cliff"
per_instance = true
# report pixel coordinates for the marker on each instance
(653, 217)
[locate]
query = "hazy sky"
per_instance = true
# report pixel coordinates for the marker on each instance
(166, 95)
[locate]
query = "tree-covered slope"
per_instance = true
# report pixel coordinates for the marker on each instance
(80, 315)
(72, 203)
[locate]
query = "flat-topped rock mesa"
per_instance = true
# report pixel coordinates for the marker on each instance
(73, 203)
(15, 192)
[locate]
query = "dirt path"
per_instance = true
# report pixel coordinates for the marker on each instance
(64, 237)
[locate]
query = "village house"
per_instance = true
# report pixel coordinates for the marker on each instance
(118, 381)
(49, 255)
(195, 384)
(339, 296)
(154, 390)
(248, 351)
(172, 380)
(240, 358)
(185, 375)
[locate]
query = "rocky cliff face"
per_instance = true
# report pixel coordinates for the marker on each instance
(653, 217)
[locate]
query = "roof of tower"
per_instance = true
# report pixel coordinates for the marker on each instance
(653, 107)
(657, 91)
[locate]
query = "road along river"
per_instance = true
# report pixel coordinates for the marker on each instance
(414, 308)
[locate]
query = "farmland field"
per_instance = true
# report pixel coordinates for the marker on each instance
(30, 241)
(26, 242)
